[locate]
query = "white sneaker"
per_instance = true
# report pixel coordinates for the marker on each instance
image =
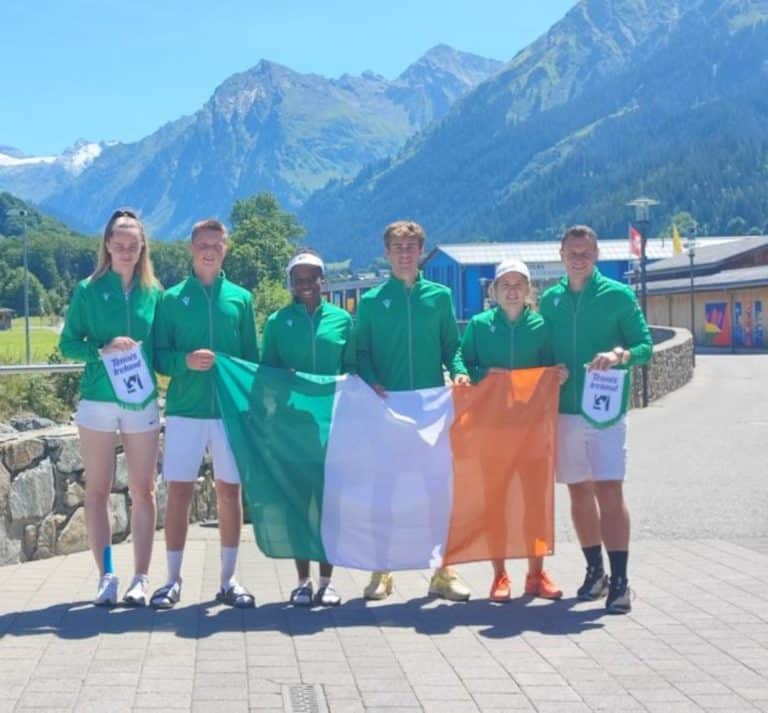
(137, 594)
(106, 594)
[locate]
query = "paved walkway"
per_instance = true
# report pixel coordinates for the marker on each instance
(697, 639)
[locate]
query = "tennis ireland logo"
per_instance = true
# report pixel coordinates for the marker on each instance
(493, 329)
(185, 300)
(289, 322)
(105, 295)
(387, 302)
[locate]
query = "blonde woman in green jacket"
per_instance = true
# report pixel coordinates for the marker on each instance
(113, 311)
(315, 337)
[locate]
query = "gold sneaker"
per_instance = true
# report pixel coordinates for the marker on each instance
(380, 586)
(446, 584)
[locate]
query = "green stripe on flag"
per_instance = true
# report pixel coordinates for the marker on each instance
(278, 423)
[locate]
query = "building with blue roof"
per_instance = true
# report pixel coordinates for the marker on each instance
(468, 268)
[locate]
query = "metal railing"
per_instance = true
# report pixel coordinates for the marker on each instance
(41, 368)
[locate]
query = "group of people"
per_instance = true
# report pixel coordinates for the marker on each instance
(405, 337)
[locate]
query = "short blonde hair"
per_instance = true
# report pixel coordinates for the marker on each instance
(404, 229)
(209, 224)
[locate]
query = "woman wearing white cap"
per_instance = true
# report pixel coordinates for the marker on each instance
(315, 337)
(511, 336)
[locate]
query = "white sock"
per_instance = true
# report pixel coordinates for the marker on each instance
(228, 562)
(324, 581)
(304, 582)
(174, 565)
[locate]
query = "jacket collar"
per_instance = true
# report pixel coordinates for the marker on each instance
(214, 285)
(298, 306)
(113, 281)
(397, 281)
(501, 316)
(589, 285)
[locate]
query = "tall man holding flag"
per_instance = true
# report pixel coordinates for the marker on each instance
(406, 334)
(597, 325)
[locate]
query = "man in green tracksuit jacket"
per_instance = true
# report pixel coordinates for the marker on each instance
(406, 335)
(595, 322)
(202, 315)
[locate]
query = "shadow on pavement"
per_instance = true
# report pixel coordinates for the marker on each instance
(82, 620)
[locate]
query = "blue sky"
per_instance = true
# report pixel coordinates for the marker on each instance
(107, 69)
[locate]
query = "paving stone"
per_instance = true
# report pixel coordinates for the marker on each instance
(163, 701)
(399, 699)
(265, 700)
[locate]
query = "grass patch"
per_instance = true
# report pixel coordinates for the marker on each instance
(43, 340)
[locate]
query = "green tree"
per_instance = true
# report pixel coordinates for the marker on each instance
(262, 241)
(12, 293)
(171, 261)
(736, 226)
(269, 296)
(685, 222)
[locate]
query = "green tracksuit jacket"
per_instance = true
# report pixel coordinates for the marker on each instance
(100, 311)
(604, 315)
(320, 343)
(192, 316)
(492, 341)
(405, 336)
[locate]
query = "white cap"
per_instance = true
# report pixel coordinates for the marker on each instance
(512, 265)
(306, 259)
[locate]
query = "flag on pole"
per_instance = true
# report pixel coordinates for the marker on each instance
(635, 241)
(677, 244)
(333, 472)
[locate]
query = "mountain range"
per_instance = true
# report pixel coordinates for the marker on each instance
(620, 98)
(265, 129)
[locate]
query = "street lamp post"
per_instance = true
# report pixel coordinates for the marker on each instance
(20, 213)
(642, 208)
(691, 247)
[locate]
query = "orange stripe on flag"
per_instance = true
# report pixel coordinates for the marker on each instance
(503, 443)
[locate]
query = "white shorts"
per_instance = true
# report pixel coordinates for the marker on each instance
(109, 417)
(588, 453)
(186, 440)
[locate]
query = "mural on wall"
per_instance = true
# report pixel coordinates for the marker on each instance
(717, 324)
(748, 323)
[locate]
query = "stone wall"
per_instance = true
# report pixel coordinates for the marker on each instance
(670, 368)
(42, 489)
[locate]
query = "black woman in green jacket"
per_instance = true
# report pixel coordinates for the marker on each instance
(315, 337)
(112, 311)
(512, 336)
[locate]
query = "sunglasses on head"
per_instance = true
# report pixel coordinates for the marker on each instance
(124, 213)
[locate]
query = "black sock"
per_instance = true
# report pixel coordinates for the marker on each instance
(618, 559)
(594, 556)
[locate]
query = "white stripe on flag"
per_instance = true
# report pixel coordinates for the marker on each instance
(388, 478)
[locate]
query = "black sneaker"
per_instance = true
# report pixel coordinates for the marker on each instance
(595, 585)
(619, 596)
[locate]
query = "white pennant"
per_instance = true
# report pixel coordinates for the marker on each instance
(130, 377)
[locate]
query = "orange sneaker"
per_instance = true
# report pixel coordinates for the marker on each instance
(541, 585)
(500, 591)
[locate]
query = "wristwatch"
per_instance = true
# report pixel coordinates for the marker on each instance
(623, 354)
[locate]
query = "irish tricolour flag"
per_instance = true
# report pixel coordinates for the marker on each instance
(333, 472)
